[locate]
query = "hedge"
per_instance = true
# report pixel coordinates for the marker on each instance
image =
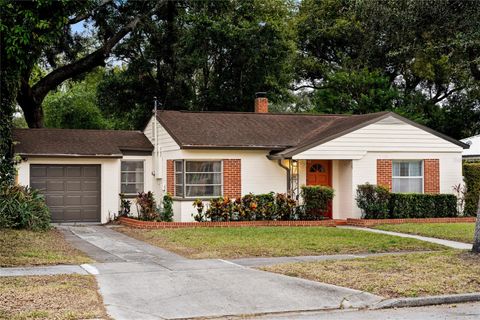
(378, 203)
(315, 202)
(471, 176)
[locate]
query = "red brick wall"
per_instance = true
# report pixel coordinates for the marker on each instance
(431, 176)
(170, 177)
(232, 178)
(384, 173)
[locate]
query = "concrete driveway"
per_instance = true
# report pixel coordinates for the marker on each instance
(140, 281)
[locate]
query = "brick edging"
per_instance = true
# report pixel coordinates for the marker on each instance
(374, 222)
(134, 223)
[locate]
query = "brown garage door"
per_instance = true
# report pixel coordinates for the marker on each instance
(72, 192)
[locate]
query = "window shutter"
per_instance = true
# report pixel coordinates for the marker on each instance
(431, 176)
(384, 173)
(232, 178)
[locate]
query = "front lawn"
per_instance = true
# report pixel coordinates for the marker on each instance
(199, 243)
(28, 248)
(408, 275)
(50, 297)
(462, 232)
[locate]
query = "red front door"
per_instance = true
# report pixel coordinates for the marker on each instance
(319, 173)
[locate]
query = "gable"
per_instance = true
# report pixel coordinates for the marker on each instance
(390, 134)
(165, 140)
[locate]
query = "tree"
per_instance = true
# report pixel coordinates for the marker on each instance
(66, 54)
(74, 105)
(476, 237)
(428, 51)
(355, 92)
(203, 55)
(22, 24)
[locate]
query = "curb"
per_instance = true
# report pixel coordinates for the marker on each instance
(427, 301)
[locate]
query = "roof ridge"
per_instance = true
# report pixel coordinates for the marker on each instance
(264, 114)
(70, 129)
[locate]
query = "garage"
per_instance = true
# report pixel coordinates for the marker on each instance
(72, 192)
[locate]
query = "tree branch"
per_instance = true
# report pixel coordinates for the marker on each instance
(88, 14)
(92, 60)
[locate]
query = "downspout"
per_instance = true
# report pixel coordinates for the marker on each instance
(288, 174)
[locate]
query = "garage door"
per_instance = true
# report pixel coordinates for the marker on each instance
(72, 192)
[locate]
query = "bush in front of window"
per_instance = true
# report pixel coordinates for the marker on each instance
(419, 205)
(23, 208)
(250, 207)
(471, 175)
(315, 202)
(378, 203)
(373, 200)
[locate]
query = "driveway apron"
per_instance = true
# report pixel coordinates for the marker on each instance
(140, 281)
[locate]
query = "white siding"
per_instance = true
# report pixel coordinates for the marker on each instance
(110, 178)
(387, 135)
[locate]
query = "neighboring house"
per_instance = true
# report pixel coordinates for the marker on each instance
(211, 154)
(472, 153)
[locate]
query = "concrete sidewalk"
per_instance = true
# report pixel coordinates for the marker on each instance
(446, 243)
(151, 283)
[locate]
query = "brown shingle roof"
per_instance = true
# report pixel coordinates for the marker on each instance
(254, 130)
(283, 134)
(76, 142)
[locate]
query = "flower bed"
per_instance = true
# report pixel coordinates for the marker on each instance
(134, 223)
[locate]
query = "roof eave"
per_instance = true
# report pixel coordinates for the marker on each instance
(63, 155)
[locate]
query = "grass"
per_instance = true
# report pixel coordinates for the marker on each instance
(28, 248)
(50, 297)
(408, 275)
(272, 241)
(462, 232)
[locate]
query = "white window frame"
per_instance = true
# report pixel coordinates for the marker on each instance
(184, 168)
(422, 177)
(121, 172)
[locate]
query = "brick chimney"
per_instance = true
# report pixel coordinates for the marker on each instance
(261, 102)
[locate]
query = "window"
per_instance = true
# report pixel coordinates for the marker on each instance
(407, 176)
(198, 178)
(132, 177)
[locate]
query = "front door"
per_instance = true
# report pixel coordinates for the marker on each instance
(319, 173)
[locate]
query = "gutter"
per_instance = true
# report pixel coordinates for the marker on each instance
(288, 174)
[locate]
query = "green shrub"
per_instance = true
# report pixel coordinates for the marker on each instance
(373, 201)
(315, 202)
(167, 204)
(418, 205)
(471, 175)
(23, 208)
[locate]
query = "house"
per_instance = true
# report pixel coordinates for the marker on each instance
(211, 154)
(472, 153)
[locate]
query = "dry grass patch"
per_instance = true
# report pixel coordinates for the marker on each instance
(28, 248)
(408, 275)
(272, 241)
(462, 232)
(50, 297)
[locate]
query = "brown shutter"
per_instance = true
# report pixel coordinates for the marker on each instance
(384, 173)
(431, 176)
(232, 178)
(170, 178)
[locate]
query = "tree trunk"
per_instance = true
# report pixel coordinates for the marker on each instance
(34, 117)
(476, 237)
